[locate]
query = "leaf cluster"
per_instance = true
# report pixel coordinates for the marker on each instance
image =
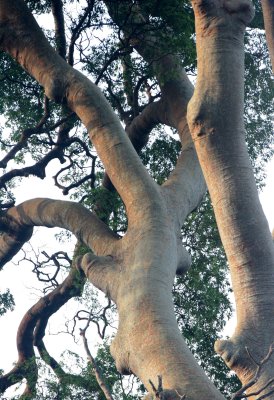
(6, 302)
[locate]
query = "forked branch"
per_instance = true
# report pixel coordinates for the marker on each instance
(63, 84)
(171, 110)
(160, 393)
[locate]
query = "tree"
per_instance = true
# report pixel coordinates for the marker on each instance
(136, 271)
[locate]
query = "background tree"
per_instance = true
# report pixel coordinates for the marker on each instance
(136, 52)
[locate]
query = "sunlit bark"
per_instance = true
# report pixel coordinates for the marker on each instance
(268, 13)
(215, 115)
(138, 270)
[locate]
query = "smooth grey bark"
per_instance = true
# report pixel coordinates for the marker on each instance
(215, 116)
(138, 271)
(20, 220)
(177, 90)
(139, 279)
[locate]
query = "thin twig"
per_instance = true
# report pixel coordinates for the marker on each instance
(98, 374)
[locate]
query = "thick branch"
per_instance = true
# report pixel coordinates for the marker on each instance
(140, 127)
(240, 394)
(185, 188)
(53, 213)
(64, 84)
(102, 272)
(215, 115)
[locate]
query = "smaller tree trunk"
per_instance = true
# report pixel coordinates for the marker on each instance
(268, 13)
(215, 117)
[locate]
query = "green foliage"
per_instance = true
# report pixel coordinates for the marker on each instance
(21, 97)
(202, 297)
(258, 102)
(39, 7)
(81, 382)
(175, 16)
(161, 155)
(257, 21)
(6, 302)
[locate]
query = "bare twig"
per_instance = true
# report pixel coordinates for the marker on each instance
(157, 392)
(76, 31)
(160, 393)
(98, 374)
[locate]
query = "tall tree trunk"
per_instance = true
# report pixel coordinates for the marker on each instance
(139, 270)
(215, 116)
(268, 13)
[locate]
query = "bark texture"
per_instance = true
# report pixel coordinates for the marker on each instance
(137, 271)
(268, 13)
(215, 115)
(19, 221)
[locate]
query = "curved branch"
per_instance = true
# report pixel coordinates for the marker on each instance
(64, 84)
(32, 328)
(90, 177)
(185, 187)
(18, 222)
(37, 169)
(139, 128)
(55, 260)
